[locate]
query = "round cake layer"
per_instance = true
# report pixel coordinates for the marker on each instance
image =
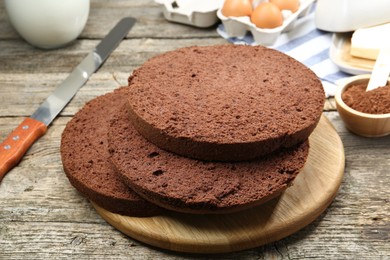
(192, 186)
(225, 103)
(85, 158)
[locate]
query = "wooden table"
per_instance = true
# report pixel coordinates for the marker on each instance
(43, 217)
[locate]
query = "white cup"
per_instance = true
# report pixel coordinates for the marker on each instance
(48, 24)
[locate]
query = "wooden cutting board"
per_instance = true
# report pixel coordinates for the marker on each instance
(312, 192)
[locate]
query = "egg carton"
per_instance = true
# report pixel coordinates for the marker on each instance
(239, 26)
(199, 13)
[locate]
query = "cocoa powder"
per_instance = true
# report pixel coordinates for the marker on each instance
(375, 101)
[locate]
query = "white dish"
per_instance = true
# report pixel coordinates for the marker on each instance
(239, 26)
(339, 53)
(199, 13)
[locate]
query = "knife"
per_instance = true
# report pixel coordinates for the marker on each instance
(33, 127)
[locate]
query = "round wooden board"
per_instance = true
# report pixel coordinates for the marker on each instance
(312, 192)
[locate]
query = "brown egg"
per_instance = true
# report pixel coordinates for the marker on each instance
(237, 8)
(292, 5)
(267, 15)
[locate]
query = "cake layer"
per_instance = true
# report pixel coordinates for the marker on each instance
(225, 103)
(192, 186)
(85, 158)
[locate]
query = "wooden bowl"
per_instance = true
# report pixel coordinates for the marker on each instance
(364, 124)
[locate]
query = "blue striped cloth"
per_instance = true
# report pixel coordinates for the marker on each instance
(306, 44)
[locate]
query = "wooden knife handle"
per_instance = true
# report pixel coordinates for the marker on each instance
(18, 142)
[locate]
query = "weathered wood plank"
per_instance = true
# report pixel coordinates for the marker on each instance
(19, 57)
(20, 96)
(104, 14)
(129, 54)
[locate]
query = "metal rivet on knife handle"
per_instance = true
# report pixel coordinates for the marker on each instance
(18, 142)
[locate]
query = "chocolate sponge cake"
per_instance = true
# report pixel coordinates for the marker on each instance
(85, 158)
(192, 186)
(225, 103)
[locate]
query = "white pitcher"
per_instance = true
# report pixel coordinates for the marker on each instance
(48, 23)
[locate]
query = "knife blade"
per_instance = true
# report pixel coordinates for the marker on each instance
(32, 128)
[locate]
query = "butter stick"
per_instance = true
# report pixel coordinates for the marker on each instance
(367, 42)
